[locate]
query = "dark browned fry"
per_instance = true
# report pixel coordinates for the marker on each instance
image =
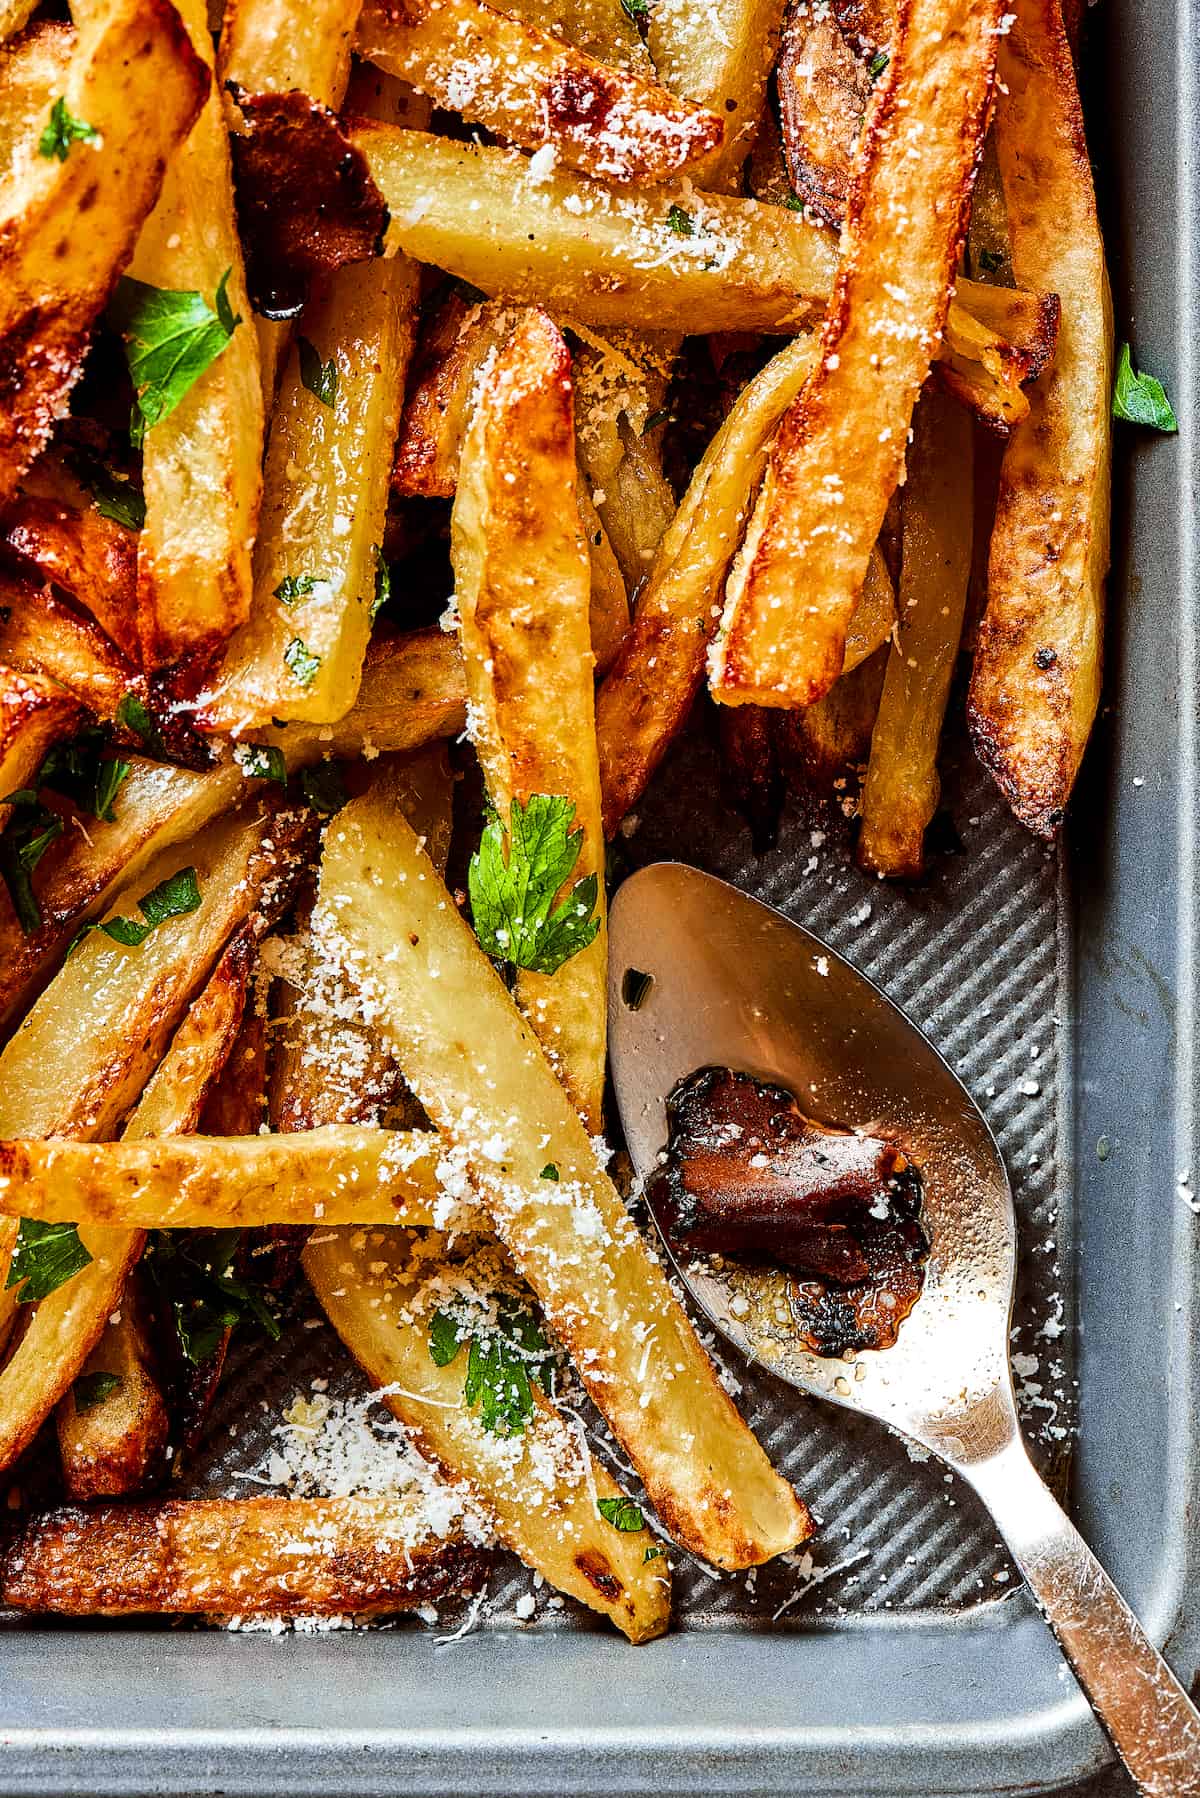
(248, 1558)
(823, 93)
(306, 202)
(52, 530)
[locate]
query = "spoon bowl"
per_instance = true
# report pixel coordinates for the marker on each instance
(700, 975)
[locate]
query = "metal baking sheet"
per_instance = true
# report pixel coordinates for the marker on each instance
(1062, 985)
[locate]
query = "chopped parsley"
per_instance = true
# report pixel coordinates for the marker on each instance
(321, 378)
(76, 769)
(91, 1389)
(62, 129)
(115, 498)
(549, 1172)
(172, 336)
(383, 583)
(654, 420)
(653, 1553)
(174, 897)
(622, 1513)
(45, 1258)
(29, 833)
(323, 788)
(505, 1360)
(634, 987)
(261, 761)
(193, 1270)
(295, 587)
(1139, 399)
(301, 661)
(680, 223)
(877, 65)
(135, 715)
(637, 10)
(512, 897)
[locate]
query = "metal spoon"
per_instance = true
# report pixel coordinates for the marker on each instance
(733, 983)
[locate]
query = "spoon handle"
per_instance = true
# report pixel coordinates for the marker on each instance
(1152, 1722)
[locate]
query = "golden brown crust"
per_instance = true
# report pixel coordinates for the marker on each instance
(1036, 680)
(247, 1557)
(823, 94)
(53, 530)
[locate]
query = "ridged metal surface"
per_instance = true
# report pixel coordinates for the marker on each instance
(976, 955)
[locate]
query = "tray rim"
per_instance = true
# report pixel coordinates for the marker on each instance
(83, 1740)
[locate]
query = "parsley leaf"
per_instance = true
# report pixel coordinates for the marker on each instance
(680, 223)
(62, 129)
(877, 65)
(110, 778)
(549, 1172)
(174, 897)
(135, 715)
(653, 1553)
(78, 769)
(1139, 399)
(118, 499)
(511, 898)
(794, 203)
(193, 1270)
(45, 1258)
(302, 662)
(30, 832)
(294, 587)
(171, 337)
(622, 1513)
(636, 9)
(321, 378)
(504, 1360)
(91, 1389)
(261, 761)
(383, 583)
(323, 788)
(654, 420)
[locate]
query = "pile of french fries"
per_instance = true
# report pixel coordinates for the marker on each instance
(315, 322)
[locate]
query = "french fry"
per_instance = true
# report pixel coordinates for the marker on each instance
(540, 1488)
(532, 89)
(606, 31)
(33, 67)
(342, 1174)
(620, 386)
(34, 715)
(67, 227)
(998, 340)
(9, 1306)
(901, 790)
(505, 1117)
(823, 92)
(55, 530)
(818, 744)
(873, 618)
(300, 654)
(412, 692)
(720, 56)
(840, 449)
(1036, 681)
(521, 581)
(271, 46)
(437, 410)
(250, 1557)
(39, 635)
(113, 1446)
(13, 15)
(647, 694)
(144, 995)
(202, 464)
(600, 254)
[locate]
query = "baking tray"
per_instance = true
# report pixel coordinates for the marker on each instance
(1062, 985)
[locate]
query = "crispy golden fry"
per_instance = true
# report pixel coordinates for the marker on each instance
(324, 500)
(646, 696)
(412, 692)
(380, 1291)
(601, 27)
(202, 464)
(720, 56)
(67, 227)
(620, 391)
(840, 450)
(818, 744)
(111, 1024)
(534, 90)
(901, 791)
(57, 531)
(823, 92)
(638, 503)
(8, 1295)
(33, 68)
(1036, 682)
(39, 635)
(342, 1174)
(873, 618)
(13, 15)
(603, 255)
(251, 1557)
(604, 1297)
(34, 714)
(437, 410)
(997, 340)
(521, 582)
(113, 1446)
